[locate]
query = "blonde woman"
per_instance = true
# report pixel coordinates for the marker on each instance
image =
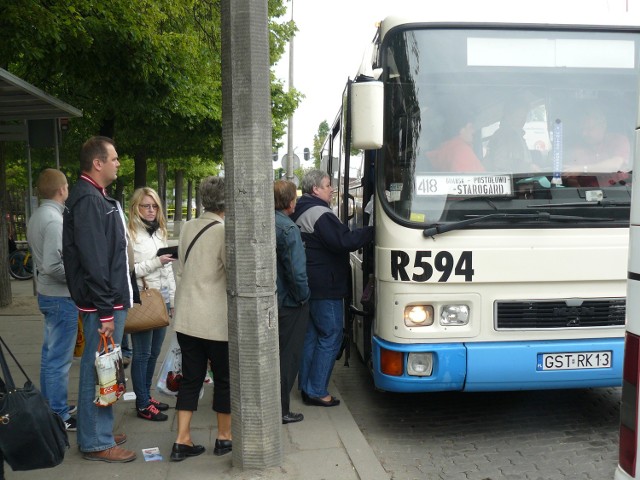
(148, 233)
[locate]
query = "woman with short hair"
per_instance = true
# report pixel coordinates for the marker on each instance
(201, 320)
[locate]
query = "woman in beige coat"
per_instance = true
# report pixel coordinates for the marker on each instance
(201, 320)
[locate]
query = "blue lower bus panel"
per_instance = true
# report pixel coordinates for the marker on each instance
(495, 366)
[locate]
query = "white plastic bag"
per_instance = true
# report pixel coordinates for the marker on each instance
(171, 367)
(110, 378)
(171, 371)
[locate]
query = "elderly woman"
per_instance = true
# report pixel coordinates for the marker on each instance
(148, 233)
(201, 320)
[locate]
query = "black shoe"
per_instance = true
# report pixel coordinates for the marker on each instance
(71, 425)
(323, 403)
(291, 417)
(305, 397)
(221, 447)
(152, 413)
(159, 405)
(179, 451)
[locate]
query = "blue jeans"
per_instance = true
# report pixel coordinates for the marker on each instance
(95, 424)
(146, 350)
(60, 331)
(126, 348)
(321, 345)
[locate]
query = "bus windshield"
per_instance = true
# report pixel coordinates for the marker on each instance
(486, 121)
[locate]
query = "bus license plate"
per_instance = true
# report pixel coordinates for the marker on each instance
(574, 360)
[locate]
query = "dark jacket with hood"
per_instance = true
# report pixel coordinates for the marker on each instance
(327, 245)
(94, 250)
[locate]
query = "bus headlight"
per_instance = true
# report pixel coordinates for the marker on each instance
(420, 364)
(418, 315)
(454, 315)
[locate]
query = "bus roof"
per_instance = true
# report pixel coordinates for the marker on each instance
(488, 17)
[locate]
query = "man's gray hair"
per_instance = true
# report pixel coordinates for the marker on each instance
(212, 194)
(313, 178)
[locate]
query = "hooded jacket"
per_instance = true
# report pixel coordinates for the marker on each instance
(327, 245)
(94, 250)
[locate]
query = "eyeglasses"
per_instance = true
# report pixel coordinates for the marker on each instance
(148, 206)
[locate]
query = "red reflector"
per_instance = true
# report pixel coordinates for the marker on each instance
(391, 363)
(629, 406)
(627, 456)
(630, 370)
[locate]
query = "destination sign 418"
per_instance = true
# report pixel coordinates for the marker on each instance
(464, 185)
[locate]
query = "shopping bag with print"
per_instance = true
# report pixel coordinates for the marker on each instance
(110, 377)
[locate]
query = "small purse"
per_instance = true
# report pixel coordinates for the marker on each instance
(32, 436)
(151, 313)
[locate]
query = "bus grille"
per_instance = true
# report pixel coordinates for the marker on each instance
(560, 314)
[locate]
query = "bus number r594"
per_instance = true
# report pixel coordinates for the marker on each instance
(423, 266)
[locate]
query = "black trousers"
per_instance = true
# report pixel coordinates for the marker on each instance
(195, 354)
(292, 327)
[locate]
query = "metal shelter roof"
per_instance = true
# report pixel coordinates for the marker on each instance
(20, 100)
(20, 104)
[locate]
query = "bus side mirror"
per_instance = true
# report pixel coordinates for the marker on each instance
(367, 115)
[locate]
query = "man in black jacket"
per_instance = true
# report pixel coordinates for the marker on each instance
(95, 260)
(327, 245)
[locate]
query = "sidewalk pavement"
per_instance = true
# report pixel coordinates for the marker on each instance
(326, 445)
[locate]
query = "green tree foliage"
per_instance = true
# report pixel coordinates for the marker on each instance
(146, 72)
(318, 140)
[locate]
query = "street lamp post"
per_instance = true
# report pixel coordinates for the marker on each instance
(290, 127)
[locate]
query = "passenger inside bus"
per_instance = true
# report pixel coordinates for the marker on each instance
(507, 150)
(598, 151)
(457, 153)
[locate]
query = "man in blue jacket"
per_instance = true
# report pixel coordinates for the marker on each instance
(94, 249)
(327, 244)
(293, 293)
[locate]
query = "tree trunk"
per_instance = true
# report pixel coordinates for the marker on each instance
(118, 192)
(108, 127)
(140, 169)
(250, 235)
(189, 198)
(5, 284)
(162, 183)
(179, 180)
(198, 203)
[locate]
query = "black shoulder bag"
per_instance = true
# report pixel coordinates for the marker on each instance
(32, 436)
(204, 229)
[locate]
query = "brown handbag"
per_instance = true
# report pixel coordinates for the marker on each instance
(150, 314)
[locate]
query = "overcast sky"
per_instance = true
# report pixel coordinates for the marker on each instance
(333, 35)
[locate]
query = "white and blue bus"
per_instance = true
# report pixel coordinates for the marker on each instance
(494, 160)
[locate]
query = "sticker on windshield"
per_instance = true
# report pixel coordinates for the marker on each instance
(481, 185)
(394, 193)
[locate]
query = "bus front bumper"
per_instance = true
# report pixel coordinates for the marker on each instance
(495, 366)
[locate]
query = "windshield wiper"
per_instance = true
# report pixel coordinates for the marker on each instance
(601, 203)
(540, 216)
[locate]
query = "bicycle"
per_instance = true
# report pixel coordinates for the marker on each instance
(21, 264)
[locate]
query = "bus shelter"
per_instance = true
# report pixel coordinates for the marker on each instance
(27, 114)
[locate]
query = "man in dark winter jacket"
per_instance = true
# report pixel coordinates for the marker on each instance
(94, 249)
(327, 245)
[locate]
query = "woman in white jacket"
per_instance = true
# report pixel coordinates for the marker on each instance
(148, 233)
